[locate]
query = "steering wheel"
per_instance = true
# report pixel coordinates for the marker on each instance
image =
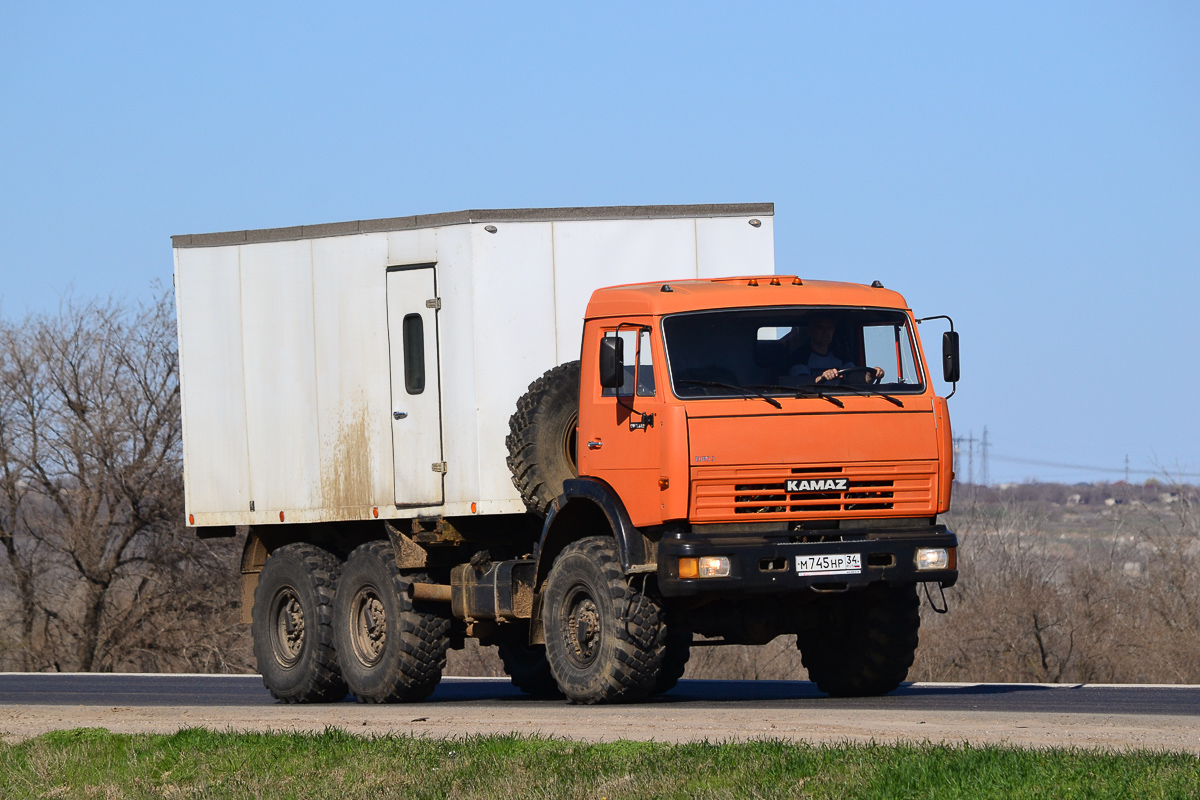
(869, 373)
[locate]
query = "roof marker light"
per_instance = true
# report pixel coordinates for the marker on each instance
(755, 223)
(753, 282)
(666, 287)
(774, 281)
(797, 282)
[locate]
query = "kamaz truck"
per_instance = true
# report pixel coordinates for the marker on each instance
(588, 436)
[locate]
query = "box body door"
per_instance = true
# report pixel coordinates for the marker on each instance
(416, 386)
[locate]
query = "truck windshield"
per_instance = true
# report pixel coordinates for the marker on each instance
(791, 350)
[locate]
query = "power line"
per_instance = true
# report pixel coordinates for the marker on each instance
(1110, 470)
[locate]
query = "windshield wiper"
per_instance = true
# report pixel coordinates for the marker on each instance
(861, 393)
(799, 390)
(746, 391)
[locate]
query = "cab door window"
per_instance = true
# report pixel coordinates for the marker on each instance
(639, 364)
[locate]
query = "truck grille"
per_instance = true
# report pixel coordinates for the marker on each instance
(734, 493)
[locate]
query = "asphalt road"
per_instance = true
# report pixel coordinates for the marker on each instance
(42, 689)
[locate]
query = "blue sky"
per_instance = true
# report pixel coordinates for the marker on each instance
(1031, 169)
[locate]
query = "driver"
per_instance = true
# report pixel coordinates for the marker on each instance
(817, 361)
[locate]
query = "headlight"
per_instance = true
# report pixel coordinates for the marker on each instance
(935, 558)
(704, 567)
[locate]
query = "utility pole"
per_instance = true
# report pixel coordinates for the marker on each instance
(985, 476)
(1127, 467)
(969, 440)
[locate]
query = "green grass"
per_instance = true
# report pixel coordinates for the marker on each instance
(198, 763)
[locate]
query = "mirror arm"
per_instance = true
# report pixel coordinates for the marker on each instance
(938, 316)
(954, 385)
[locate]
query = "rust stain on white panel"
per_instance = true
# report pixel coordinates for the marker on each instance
(346, 467)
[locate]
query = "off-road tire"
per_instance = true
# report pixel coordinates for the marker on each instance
(542, 439)
(675, 658)
(605, 637)
(526, 664)
(292, 625)
(864, 641)
(393, 650)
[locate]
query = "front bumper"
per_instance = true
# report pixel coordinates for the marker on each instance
(767, 564)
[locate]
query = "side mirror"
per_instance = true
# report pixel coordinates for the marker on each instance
(950, 357)
(612, 362)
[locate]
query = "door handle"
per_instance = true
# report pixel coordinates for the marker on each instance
(595, 445)
(399, 414)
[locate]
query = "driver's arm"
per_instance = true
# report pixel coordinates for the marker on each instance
(827, 375)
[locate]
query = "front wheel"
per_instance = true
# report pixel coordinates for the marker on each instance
(675, 657)
(863, 642)
(527, 665)
(605, 637)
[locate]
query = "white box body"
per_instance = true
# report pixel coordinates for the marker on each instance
(292, 348)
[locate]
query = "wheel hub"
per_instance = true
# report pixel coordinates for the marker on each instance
(369, 626)
(289, 627)
(582, 629)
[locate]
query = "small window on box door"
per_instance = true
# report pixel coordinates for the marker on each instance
(638, 361)
(414, 353)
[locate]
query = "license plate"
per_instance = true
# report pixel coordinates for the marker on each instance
(829, 564)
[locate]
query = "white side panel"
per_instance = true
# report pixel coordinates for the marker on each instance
(514, 337)
(286, 360)
(353, 396)
(732, 246)
(281, 393)
(208, 295)
(589, 255)
(416, 392)
(412, 247)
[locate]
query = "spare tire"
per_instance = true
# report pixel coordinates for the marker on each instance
(542, 443)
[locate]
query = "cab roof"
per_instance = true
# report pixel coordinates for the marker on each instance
(657, 299)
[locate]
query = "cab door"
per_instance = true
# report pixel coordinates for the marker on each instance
(619, 436)
(416, 389)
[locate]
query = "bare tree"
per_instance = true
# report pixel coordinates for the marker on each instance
(21, 551)
(92, 493)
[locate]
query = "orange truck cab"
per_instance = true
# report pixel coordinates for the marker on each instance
(764, 435)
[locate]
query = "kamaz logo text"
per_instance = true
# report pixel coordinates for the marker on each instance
(820, 485)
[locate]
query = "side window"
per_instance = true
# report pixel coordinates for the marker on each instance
(888, 346)
(879, 345)
(639, 361)
(413, 330)
(645, 372)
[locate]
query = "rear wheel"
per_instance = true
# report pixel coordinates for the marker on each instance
(864, 642)
(392, 649)
(604, 635)
(292, 625)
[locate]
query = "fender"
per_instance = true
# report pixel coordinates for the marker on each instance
(584, 505)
